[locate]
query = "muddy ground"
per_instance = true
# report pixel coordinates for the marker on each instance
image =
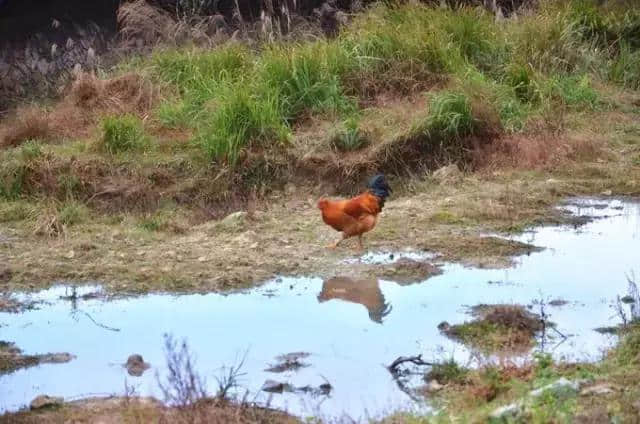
(452, 218)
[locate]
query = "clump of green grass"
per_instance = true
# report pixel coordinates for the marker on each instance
(72, 213)
(450, 116)
(448, 371)
(122, 133)
(574, 91)
(13, 211)
(30, 150)
(498, 327)
(624, 68)
(348, 136)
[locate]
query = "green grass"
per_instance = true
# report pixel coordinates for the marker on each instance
(122, 133)
(72, 213)
(237, 98)
(348, 136)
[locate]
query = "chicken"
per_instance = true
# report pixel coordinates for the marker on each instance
(356, 216)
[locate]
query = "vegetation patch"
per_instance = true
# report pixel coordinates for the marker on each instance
(12, 358)
(497, 327)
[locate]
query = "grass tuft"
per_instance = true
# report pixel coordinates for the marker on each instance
(122, 133)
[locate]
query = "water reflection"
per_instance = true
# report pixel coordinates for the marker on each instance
(365, 292)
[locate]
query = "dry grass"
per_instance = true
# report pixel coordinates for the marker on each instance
(133, 410)
(537, 151)
(27, 124)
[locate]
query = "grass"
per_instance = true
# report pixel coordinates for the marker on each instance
(498, 327)
(122, 134)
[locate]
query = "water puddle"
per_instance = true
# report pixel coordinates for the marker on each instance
(340, 333)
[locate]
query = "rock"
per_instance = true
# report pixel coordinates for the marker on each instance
(504, 413)
(607, 193)
(70, 255)
(234, 221)
(56, 358)
(5, 275)
(135, 365)
(446, 174)
(598, 390)
(560, 388)
(444, 326)
(433, 386)
(552, 181)
(290, 189)
(273, 386)
(44, 401)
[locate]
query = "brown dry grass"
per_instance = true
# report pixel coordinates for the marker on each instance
(536, 151)
(145, 410)
(28, 124)
(76, 115)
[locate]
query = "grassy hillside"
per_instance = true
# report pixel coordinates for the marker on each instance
(400, 89)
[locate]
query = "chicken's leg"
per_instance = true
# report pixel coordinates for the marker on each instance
(334, 245)
(360, 244)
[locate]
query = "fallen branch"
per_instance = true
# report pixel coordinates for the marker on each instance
(106, 327)
(416, 360)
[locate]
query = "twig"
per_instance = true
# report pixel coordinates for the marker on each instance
(416, 360)
(106, 327)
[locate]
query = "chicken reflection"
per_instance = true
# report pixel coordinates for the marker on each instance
(363, 291)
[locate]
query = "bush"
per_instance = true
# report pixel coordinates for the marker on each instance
(122, 133)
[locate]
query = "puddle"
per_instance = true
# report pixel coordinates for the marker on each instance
(388, 258)
(350, 329)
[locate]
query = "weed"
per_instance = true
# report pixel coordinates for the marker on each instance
(348, 137)
(13, 211)
(448, 372)
(624, 69)
(573, 91)
(72, 213)
(450, 116)
(151, 224)
(183, 387)
(122, 133)
(30, 150)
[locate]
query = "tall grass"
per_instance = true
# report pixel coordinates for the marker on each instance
(235, 97)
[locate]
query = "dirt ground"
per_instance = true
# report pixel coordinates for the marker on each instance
(145, 410)
(453, 218)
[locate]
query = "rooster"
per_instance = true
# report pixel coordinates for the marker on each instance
(356, 216)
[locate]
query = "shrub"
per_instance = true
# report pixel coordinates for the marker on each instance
(122, 133)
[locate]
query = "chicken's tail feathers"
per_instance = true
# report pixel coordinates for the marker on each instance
(379, 187)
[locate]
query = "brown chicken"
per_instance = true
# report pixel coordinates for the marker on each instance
(356, 216)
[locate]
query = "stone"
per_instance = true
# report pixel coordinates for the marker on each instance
(449, 173)
(433, 386)
(272, 386)
(56, 358)
(290, 189)
(135, 365)
(597, 390)
(45, 401)
(234, 221)
(506, 412)
(560, 388)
